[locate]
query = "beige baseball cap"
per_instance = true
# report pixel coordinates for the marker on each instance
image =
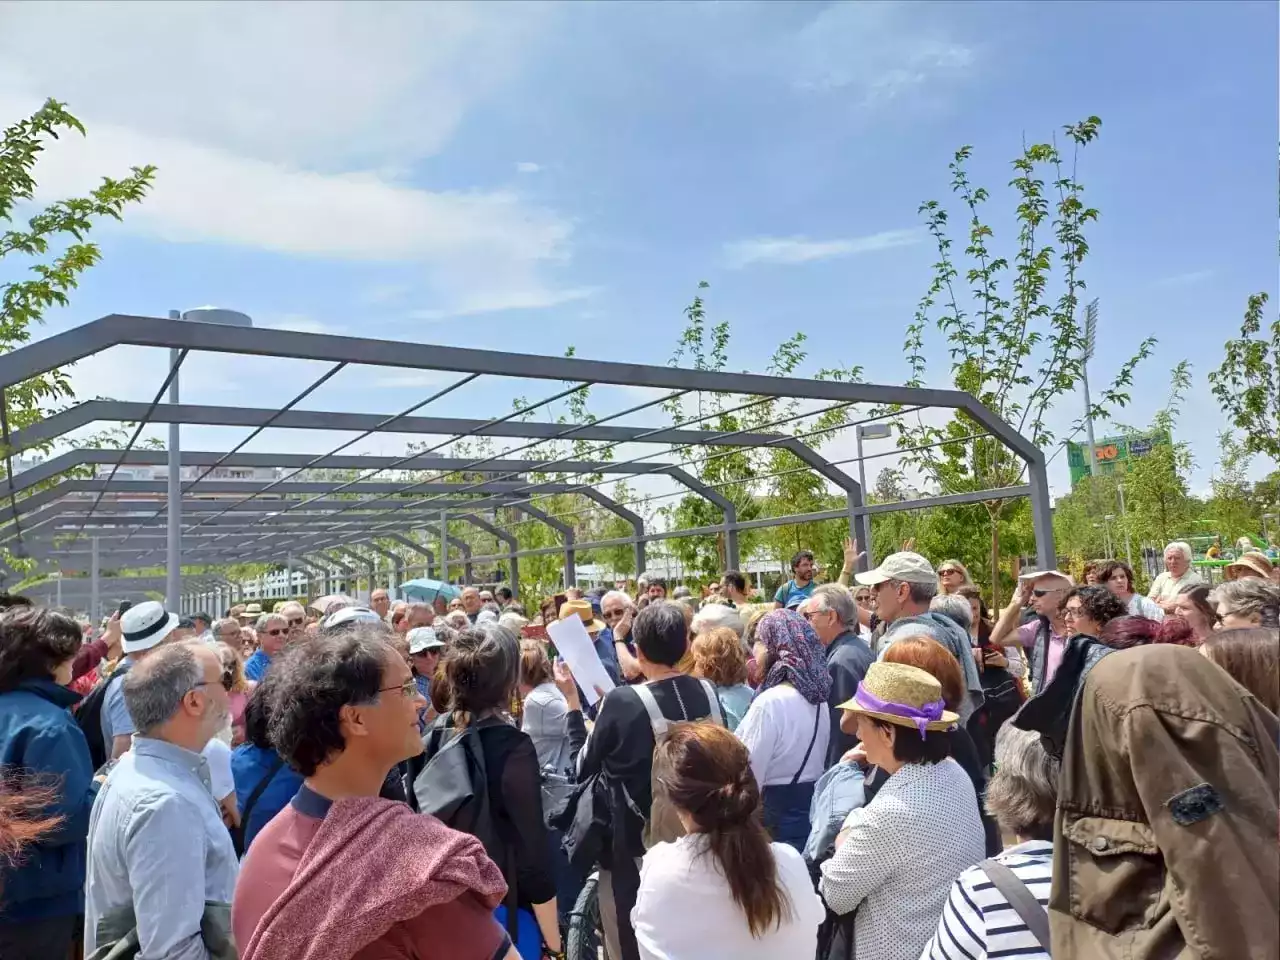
(905, 566)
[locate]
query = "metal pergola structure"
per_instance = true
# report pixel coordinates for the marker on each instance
(74, 521)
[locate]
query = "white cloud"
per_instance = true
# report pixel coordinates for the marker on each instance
(526, 166)
(798, 249)
(1185, 279)
(329, 84)
(292, 128)
(878, 50)
(536, 298)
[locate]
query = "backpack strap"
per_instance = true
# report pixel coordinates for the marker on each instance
(1020, 897)
(817, 718)
(657, 721)
(713, 701)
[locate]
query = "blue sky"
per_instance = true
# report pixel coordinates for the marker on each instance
(527, 177)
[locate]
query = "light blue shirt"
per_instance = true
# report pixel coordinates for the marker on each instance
(157, 845)
(116, 721)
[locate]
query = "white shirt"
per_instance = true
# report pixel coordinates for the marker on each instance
(776, 731)
(684, 910)
(899, 856)
(1166, 587)
(218, 755)
(1140, 606)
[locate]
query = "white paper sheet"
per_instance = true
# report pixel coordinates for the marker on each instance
(574, 646)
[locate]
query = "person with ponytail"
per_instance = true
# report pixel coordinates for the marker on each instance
(723, 891)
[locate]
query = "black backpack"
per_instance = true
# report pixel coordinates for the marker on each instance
(89, 716)
(453, 787)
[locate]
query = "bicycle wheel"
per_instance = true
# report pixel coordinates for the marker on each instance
(584, 940)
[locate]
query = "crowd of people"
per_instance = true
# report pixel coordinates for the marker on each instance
(875, 767)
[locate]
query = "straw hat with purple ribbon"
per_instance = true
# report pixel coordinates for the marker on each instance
(902, 695)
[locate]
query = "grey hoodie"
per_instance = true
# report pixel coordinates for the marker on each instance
(952, 636)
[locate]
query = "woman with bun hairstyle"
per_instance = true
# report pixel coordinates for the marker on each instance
(723, 891)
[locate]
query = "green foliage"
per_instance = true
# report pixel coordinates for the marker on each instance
(1247, 384)
(1013, 343)
(49, 254)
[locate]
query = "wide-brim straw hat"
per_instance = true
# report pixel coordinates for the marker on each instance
(582, 610)
(1253, 560)
(903, 695)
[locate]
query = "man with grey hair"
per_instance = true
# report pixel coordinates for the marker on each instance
(903, 587)
(158, 848)
(1248, 602)
(718, 615)
(833, 615)
(1178, 573)
(226, 630)
(619, 613)
(954, 606)
(273, 633)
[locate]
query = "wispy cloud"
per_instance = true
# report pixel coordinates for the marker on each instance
(881, 51)
(527, 166)
(1185, 279)
(496, 301)
(799, 249)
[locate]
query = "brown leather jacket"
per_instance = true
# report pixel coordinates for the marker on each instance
(1165, 841)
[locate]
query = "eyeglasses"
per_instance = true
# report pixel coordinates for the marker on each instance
(1070, 613)
(609, 615)
(407, 689)
(277, 632)
(810, 614)
(297, 621)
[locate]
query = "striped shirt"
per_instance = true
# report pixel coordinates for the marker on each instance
(978, 922)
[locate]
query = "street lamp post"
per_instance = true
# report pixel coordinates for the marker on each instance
(173, 515)
(871, 431)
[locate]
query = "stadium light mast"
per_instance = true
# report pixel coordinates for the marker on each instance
(1090, 340)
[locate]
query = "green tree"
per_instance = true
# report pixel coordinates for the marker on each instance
(1013, 345)
(1233, 511)
(42, 261)
(1247, 384)
(1158, 505)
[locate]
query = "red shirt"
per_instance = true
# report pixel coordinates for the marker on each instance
(462, 929)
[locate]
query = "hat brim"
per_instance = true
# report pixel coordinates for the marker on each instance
(593, 626)
(945, 722)
(1233, 569)
(1037, 574)
(871, 578)
(151, 640)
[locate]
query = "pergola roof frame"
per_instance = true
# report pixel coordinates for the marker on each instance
(181, 337)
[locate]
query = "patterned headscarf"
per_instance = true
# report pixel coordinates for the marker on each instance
(796, 655)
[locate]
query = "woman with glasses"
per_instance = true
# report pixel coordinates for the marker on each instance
(1087, 610)
(952, 575)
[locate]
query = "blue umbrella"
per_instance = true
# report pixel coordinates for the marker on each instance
(426, 591)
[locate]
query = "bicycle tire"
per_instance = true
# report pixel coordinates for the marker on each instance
(584, 940)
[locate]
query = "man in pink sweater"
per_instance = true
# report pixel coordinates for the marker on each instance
(340, 874)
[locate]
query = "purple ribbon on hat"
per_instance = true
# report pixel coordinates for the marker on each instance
(921, 716)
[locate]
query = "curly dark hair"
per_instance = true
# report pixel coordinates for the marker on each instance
(257, 712)
(313, 682)
(1098, 603)
(33, 642)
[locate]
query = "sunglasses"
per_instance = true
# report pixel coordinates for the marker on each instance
(613, 614)
(297, 621)
(1045, 593)
(276, 632)
(947, 572)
